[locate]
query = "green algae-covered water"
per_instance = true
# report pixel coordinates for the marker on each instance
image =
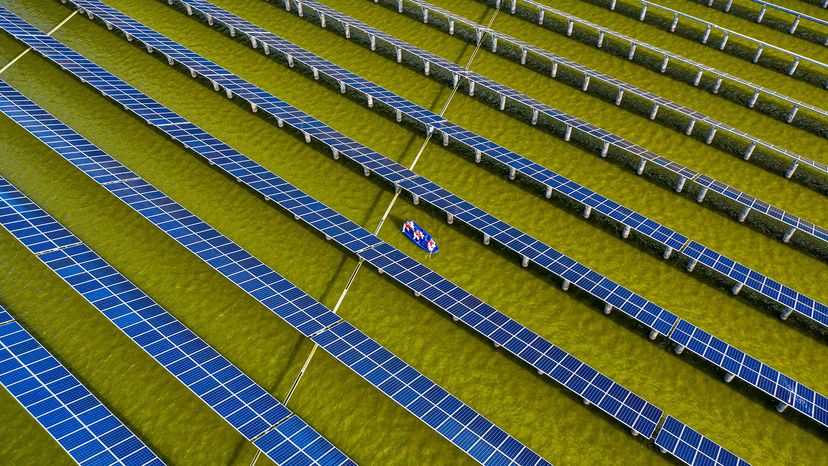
(361, 421)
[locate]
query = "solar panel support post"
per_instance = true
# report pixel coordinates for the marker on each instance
(347, 31)
(750, 150)
(471, 88)
(335, 153)
(792, 170)
(692, 265)
(725, 37)
(289, 60)
(743, 215)
(793, 67)
(706, 34)
(737, 288)
(554, 69)
(631, 53)
(193, 73)
(568, 133)
(322, 21)
(626, 232)
(653, 335)
(788, 235)
(698, 77)
(607, 308)
(641, 164)
(512, 173)
(619, 96)
(228, 92)
(758, 53)
(486, 238)
(712, 134)
(216, 86)
(170, 61)
(674, 23)
(451, 27)
(565, 284)
(679, 349)
(366, 171)
(702, 193)
(315, 73)
(299, 9)
(718, 85)
(643, 12)
(523, 53)
(604, 149)
(373, 40)
(342, 88)
(790, 116)
(612, 5)
(253, 42)
(586, 402)
(587, 211)
(668, 251)
(398, 115)
(449, 218)
(494, 44)
(108, 25)
(477, 155)
(399, 55)
(761, 15)
(586, 83)
(785, 314)
(689, 129)
(370, 100)
(680, 185)
(540, 17)
(781, 406)
(149, 48)
(654, 111)
(502, 101)
(535, 116)
(525, 261)
(209, 20)
(254, 108)
(753, 98)
(600, 42)
(729, 377)
(569, 27)
(664, 63)
(446, 142)
(426, 68)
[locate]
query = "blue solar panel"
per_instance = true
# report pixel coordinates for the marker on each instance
(72, 415)
(247, 272)
(233, 395)
(5, 316)
(752, 371)
(295, 443)
(617, 212)
(649, 314)
(765, 286)
(545, 357)
(693, 448)
(471, 432)
(534, 171)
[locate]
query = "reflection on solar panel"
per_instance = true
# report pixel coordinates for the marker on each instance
(795, 58)
(665, 57)
(233, 395)
(606, 139)
(72, 415)
(542, 355)
(587, 74)
(247, 272)
(693, 448)
(752, 371)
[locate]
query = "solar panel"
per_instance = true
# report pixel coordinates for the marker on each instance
(649, 314)
(275, 292)
(230, 393)
(693, 448)
(5, 316)
(72, 415)
(752, 371)
(542, 355)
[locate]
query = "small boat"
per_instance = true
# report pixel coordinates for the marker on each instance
(419, 237)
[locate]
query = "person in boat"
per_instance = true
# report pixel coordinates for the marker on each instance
(431, 245)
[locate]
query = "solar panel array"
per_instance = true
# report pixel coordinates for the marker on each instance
(588, 74)
(752, 371)
(692, 447)
(69, 412)
(611, 140)
(236, 264)
(592, 386)
(390, 170)
(235, 397)
(701, 68)
(798, 15)
(726, 33)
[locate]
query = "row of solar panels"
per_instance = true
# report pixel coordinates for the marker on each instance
(768, 288)
(120, 300)
(623, 87)
(744, 200)
(69, 412)
(760, 45)
(592, 385)
(798, 15)
(667, 56)
(372, 249)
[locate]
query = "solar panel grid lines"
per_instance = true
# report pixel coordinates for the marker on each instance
(471, 432)
(623, 87)
(737, 363)
(692, 448)
(606, 395)
(229, 392)
(69, 412)
(727, 33)
(637, 307)
(747, 202)
(797, 19)
(633, 44)
(235, 263)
